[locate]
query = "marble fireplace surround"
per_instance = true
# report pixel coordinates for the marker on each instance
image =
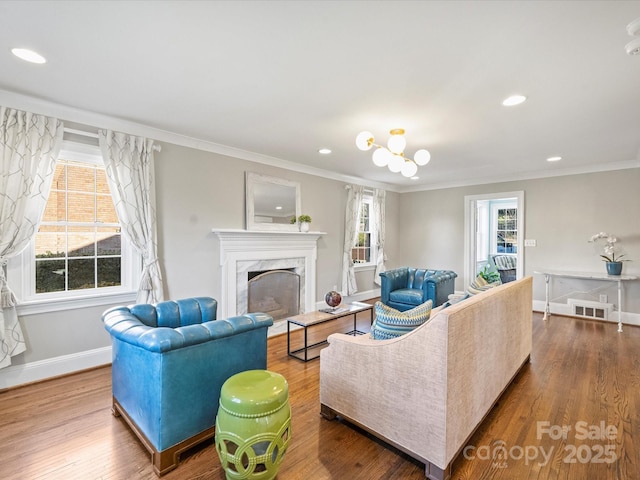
(243, 251)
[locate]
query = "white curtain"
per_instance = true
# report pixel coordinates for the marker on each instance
(379, 221)
(29, 146)
(352, 217)
(129, 167)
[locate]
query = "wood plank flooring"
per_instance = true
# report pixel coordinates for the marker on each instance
(580, 371)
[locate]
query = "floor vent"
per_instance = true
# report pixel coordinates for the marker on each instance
(587, 309)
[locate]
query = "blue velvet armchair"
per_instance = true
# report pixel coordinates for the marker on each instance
(405, 288)
(169, 363)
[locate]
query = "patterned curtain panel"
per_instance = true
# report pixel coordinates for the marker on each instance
(29, 146)
(379, 219)
(129, 167)
(354, 201)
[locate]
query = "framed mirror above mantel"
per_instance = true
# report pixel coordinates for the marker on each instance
(271, 203)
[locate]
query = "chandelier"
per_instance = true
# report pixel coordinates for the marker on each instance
(633, 29)
(392, 155)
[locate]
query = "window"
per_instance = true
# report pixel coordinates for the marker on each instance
(78, 251)
(78, 244)
(507, 230)
(363, 251)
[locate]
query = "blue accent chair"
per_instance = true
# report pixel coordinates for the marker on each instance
(169, 363)
(405, 288)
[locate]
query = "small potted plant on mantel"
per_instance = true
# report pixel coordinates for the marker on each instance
(304, 221)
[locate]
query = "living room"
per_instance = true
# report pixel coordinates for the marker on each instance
(200, 186)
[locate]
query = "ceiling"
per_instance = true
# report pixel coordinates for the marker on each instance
(276, 81)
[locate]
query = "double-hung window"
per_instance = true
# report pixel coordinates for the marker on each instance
(506, 230)
(79, 251)
(364, 250)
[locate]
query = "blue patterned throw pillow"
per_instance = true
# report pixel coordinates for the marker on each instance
(391, 323)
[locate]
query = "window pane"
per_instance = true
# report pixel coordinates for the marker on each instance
(56, 208)
(81, 207)
(59, 177)
(81, 242)
(109, 243)
(49, 276)
(106, 210)
(81, 179)
(50, 245)
(101, 182)
(364, 218)
(81, 274)
(109, 272)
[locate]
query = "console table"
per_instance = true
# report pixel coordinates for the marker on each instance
(584, 276)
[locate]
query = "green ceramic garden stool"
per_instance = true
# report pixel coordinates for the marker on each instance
(253, 426)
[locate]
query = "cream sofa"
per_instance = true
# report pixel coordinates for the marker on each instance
(427, 391)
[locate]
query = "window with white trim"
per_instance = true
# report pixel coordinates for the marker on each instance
(364, 250)
(78, 251)
(505, 226)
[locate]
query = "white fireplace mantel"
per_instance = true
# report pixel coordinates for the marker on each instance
(239, 249)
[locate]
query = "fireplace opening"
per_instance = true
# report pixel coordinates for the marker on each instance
(274, 292)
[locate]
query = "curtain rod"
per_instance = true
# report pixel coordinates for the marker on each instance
(365, 189)
(156, 148)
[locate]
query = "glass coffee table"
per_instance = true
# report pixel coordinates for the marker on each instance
(313, 332)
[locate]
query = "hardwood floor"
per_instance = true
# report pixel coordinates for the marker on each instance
(580, 371)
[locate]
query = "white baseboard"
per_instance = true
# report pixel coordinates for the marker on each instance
(360, 296)
(565, 309)
(15, 375)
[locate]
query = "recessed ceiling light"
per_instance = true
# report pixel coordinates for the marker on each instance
(553, 159)
(513, 100)
(279, 207)
(324, 151)
(28, 55)
(415, 178)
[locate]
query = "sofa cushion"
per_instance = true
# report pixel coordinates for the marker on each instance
(479, 285)
(410, 296)
(391, 323)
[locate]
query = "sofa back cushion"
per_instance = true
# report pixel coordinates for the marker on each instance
(392, 323)
(174, 314)
(415, 277)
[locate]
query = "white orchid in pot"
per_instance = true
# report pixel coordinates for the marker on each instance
(609, 255)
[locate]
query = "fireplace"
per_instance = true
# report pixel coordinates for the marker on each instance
(275, 292)
(243, 251)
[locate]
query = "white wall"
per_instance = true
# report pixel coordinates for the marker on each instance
(561, 213)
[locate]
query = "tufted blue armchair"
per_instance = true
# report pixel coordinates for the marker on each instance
(169, 363)
(405, 288)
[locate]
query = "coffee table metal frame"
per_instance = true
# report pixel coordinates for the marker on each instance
(307, 320)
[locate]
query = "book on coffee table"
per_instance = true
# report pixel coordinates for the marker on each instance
(335, 310)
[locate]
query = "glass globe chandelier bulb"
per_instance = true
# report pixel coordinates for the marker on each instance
(381, 157)
(364, 140)
(396, 143)
(395, 164)
(409, 169)
(422, 157)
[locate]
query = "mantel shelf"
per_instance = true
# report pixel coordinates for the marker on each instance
(235, 232)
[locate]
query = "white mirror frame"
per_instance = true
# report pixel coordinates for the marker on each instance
(252, 181)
